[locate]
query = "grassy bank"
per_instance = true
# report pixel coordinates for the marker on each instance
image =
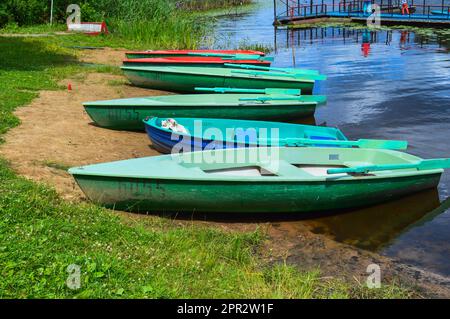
(140, 23)
(121, 256)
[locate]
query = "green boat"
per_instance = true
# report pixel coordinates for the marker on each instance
(258, 180)
(128, 114)
(186, 79)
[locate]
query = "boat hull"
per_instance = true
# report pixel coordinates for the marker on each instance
(187, 82)
(208, 63)
(132, 117)
(165, 141)
(160, 195)
(185, 53)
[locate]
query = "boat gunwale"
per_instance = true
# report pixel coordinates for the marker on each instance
(172, 159)
(265, 179)
(154, 69)
(277, 103)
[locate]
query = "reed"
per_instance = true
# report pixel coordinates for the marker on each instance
(199, 5)
(150, 23)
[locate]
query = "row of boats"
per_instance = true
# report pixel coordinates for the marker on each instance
(226, 153)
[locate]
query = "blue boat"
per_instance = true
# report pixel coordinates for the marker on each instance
(196, 134)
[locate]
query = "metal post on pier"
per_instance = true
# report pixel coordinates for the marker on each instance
(275, 11)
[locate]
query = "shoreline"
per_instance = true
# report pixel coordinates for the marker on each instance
(55, 133)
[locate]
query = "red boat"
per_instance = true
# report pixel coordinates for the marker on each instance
(191, 61)
(184, 53)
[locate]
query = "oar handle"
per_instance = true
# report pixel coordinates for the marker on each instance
(362, 143)
(309, 141)
(264, 98)
(371, 168)
(286, 70)
(311, 77)
(230, 90)
(229, 56)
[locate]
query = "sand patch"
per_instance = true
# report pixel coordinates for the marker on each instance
(56, 133)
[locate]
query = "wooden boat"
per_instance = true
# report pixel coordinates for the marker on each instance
(210, 62)
(258, 180)
(203, 133)
(128, 114)
(183, 53)
(185, 79)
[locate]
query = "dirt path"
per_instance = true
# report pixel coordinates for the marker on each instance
(56, 134)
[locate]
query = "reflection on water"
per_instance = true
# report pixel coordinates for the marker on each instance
(386, 84)
(375, 227)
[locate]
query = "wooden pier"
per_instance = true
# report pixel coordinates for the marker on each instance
(420, 14)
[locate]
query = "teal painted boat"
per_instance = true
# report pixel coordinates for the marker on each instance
(258, 180)
(186, 79)
(128, 114)
(203, 134)
(442, 12)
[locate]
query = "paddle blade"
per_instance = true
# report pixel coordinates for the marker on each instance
(383, 144)
(437, 163)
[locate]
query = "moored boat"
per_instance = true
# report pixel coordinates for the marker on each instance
(186, 79)
(128, 114)
(441, 12)
(210, 62)
(198, 134)
(276, 180)
(184, 53)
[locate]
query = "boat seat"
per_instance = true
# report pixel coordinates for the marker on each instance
(356, 163)
(283, 168)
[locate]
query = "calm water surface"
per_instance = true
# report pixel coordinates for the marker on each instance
(384, 85)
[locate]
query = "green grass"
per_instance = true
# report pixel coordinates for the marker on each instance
(14, 28)
(122, 256)
(202, 5)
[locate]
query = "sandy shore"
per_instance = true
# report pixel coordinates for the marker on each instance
(56, 133)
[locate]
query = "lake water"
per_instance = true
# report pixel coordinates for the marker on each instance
(394, 86)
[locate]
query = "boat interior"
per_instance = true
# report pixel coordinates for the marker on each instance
(298, 163)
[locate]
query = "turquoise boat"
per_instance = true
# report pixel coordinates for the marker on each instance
(203, 134)
(269, 104)
(441, 13)
(186, 79)
(258, 180)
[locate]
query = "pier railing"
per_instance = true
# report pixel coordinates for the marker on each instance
(295, 10)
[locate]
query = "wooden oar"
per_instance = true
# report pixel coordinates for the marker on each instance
(266, 68)
(422, 165)
(312, 77)
(268, 98)
(245, 57)
(262, 91)
(361, 143)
